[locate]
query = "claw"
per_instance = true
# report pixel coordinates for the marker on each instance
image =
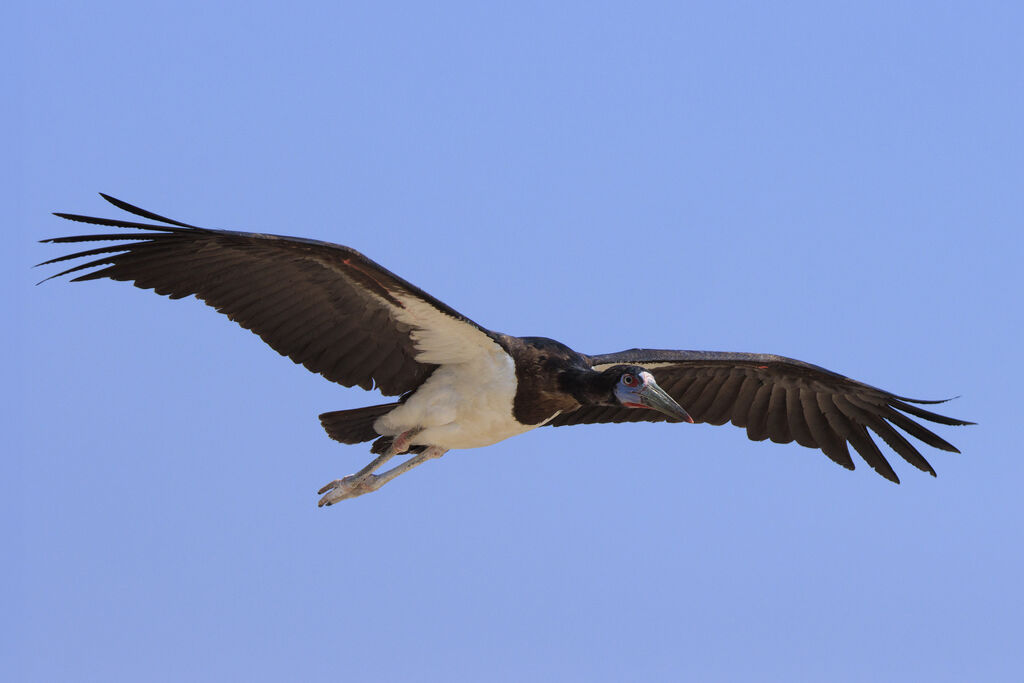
(351, 486)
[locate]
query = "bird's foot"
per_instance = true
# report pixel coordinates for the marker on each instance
(364, 481)
(351, 486)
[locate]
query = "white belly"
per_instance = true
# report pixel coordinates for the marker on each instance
(462, 405)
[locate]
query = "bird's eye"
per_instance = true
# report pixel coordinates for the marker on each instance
(628, 380)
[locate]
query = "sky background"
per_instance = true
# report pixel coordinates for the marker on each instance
(843, 184)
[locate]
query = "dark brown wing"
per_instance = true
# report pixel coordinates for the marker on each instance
(780, 399)
(325, 306)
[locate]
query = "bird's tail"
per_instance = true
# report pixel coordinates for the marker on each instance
(356, 425)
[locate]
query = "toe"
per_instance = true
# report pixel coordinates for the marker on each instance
(349, 487)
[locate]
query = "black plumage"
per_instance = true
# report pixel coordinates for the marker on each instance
(345, 317)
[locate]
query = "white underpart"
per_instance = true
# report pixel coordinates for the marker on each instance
(467, 401)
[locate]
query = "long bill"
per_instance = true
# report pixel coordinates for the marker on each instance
(653, 396)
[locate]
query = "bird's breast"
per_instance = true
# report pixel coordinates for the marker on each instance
(461, 405)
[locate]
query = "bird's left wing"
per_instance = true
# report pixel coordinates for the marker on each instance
(778, 398)
(323, 305)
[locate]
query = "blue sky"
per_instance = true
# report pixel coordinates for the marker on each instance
(836, 183)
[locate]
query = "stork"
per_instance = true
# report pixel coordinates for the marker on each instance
(460, 385)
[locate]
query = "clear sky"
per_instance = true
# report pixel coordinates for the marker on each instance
(838, 183)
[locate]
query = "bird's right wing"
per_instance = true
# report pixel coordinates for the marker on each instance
(323, 305)
(780, 399)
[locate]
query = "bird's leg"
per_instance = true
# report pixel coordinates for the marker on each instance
(365, 481)
(375, 481)
(401, 443)
(374, 464)
(351, 483)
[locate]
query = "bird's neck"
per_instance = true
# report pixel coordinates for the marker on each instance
(586, 386)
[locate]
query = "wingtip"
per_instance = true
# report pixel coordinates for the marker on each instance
(45, 263)
(45, 279)
(923, 401)
(121, 204)
(888, 475)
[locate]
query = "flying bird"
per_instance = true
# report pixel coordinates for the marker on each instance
(460, 385)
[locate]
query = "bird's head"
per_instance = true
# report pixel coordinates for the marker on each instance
(635, 387)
